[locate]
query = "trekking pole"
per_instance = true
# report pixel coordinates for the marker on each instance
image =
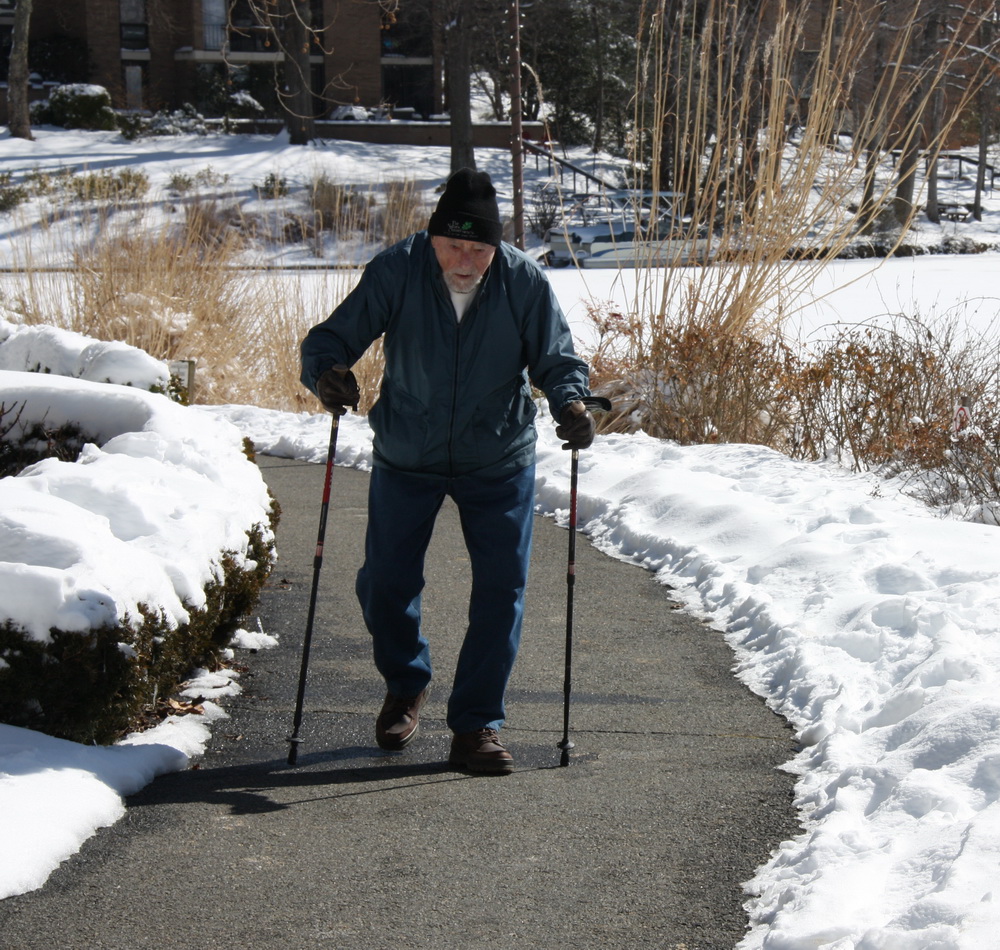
(591, 402)
(294, 739)
(566, 744)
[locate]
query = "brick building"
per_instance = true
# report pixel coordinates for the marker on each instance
(912, 33)
(153, 54)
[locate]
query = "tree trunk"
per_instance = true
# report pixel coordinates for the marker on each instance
(985, 111)
(902, 203)
(910, 158)
(18, 117)
(459, 63)
(297, 98)
(933, 205)
(987, 105)
(874, 133)
(866, 210)
(597, 28)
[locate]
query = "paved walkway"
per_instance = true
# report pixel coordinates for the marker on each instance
(672, 798)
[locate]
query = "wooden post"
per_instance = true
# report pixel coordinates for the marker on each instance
(516, 135)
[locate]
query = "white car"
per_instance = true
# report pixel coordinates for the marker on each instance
(601, 231)
(349, 114)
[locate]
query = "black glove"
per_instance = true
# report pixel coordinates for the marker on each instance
(576, 426)
(337, 389)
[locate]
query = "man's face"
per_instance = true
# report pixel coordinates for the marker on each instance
(463, 263)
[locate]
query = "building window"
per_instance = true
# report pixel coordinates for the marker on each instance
(409, 87)
(407, 32)
(134, 31)
(247, 34)
(213, 22)
(135, 36)
(132, 11)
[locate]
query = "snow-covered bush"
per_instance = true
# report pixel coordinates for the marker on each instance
(123, 569)
(241, 105)
(47, 349)
(131, 543)
(184, 121)
(77, 106)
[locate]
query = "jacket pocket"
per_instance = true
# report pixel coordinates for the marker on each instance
(400, 426)
(502, 424)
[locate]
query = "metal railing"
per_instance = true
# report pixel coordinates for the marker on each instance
(990, 171)
(239, 39)
(563, 168)
(215, 35)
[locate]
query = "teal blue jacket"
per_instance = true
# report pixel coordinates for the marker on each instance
(455, 397)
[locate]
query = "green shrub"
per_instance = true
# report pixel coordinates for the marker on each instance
(110, 186)
(80, 106)
(98, 686)
(273, 186)
(131, 125)
(11, 195)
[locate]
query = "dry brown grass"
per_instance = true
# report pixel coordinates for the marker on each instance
(184, 290)
(759, 177)
(391, 212)
(698, 354)
(904, 397)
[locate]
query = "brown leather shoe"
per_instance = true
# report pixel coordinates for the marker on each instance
(480, 751)
(397, 723)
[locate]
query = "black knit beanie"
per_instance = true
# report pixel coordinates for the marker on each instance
(468, 209)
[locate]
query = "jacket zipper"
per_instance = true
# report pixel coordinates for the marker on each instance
(454, 401)
(445, 299)
(450, 307)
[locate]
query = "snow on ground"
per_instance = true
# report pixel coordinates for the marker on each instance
(871, 624)
(868, 621)
(235, 164)
(961, 292)
(143, 517)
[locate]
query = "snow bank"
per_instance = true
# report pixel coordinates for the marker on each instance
(142, 517)
(46, 349)
(874, 627)
(55, 794)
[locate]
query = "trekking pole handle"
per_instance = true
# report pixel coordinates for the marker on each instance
(596, 403)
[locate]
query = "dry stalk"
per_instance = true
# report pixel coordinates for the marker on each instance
(751, 153)
(183, 291)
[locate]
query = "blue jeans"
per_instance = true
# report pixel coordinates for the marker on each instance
(496, 516)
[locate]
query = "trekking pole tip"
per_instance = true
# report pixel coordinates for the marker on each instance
(565, 745)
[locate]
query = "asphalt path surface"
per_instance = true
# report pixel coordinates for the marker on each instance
(673, 795)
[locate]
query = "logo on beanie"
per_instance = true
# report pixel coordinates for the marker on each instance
(460, 229)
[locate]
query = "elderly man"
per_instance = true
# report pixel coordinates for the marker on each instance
(467, 321)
